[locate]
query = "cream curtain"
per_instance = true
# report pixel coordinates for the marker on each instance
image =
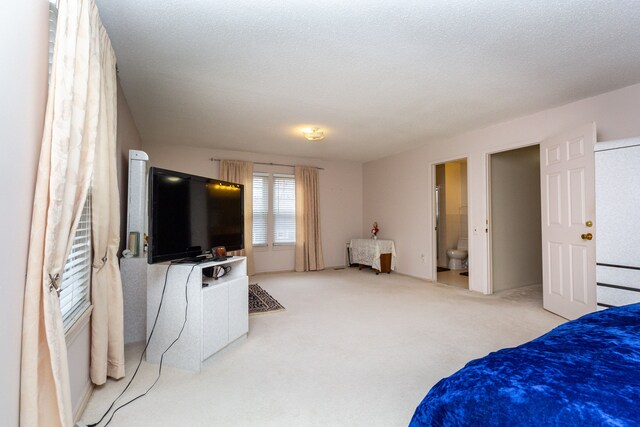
(107, 331)
(308, 236)
(241, 172)
(66, 165)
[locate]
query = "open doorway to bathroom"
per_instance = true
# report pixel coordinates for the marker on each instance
(451, 219)
(515, 233)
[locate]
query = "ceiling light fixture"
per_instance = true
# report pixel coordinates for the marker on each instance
(313, 134)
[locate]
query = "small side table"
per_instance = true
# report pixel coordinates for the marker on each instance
(379, 254)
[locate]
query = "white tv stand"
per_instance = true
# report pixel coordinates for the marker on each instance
(217, 313)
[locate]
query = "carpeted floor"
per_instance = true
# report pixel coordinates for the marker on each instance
(351, 349)
(261, 302)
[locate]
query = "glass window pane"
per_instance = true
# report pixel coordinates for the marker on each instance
(284, 209)
(260, 208)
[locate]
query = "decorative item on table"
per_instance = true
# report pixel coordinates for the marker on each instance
(219, 253)
(374, 231)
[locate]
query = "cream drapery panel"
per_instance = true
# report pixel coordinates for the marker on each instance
(308, 236)
(241, 172)
(64, 175)
(107, 330)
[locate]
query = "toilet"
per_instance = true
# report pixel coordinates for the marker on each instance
(458, 256)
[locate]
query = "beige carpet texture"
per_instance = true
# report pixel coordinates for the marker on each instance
(351, 349)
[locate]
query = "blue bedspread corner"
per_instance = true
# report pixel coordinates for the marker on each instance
(584, 373)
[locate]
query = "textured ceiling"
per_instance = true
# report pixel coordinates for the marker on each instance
(380, 76)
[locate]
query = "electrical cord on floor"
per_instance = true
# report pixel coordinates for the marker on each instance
(153, 328)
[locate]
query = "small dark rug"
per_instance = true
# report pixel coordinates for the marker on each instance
(464, 273)
(441, 269)
(261, 302)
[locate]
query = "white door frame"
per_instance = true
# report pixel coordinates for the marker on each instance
(489, 287)
(432, 190)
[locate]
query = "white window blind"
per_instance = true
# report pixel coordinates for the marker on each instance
(284, 209)
(53, 22)
(260, 208)
(76, 278)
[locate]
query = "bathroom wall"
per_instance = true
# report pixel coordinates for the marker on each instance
(451, 177)
(456, 202)
(516, 236)
(452, 183)
(464, 207)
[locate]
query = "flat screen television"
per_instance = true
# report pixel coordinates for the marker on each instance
(189, 215)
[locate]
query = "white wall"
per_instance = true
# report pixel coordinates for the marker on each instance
(127, 138)
(340, 196)
(78, 355)
(516, 234)
(23, 82)
(398, 189)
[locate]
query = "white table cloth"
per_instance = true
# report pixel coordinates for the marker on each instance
(367, 252)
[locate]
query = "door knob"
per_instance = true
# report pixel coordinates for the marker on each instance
(587, 236)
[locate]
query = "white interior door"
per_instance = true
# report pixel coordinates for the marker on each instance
(568, 206)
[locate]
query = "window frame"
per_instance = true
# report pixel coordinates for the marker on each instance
(271, 215)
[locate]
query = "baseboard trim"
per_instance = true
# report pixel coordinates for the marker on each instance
(327, 267)
(271, 272)
(88, 391)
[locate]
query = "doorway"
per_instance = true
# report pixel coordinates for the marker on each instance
(451, 219)
(515, 237)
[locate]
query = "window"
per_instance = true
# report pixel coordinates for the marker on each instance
(284, 209)
(260, 208)
(274, 209)
(76, 278)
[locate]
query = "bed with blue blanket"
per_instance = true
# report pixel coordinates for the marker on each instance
(583, 373)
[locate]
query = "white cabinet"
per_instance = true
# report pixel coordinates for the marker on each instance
(214, 312)
(215, 315)
(238, 310)
(617, 222)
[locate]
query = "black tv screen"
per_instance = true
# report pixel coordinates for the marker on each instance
(189, 215)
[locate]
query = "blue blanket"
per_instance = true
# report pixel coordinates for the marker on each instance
(582, 373)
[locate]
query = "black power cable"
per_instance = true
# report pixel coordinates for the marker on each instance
(153, 328)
